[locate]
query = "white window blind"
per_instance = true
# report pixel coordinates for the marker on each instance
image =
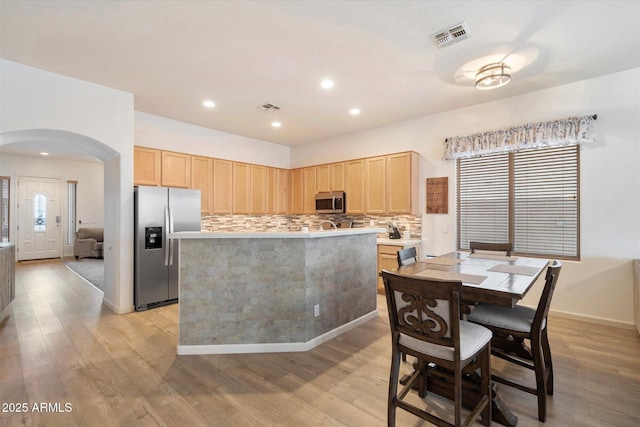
(546, 202)
(483, 199)
(529, 198)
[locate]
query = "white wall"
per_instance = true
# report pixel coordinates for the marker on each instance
(63, 110)
(89, 206)
(159, 132)
(599, 287)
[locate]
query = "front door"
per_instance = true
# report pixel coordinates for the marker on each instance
(39, 218)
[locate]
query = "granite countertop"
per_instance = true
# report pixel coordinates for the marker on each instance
(312, 234)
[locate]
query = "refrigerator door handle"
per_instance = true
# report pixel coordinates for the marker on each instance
(166, 227)
(170, 240)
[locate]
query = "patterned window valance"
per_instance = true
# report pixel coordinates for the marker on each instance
(572, 130)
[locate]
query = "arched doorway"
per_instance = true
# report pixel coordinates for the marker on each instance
(69, 143)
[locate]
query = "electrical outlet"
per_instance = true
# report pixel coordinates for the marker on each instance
(316, 310)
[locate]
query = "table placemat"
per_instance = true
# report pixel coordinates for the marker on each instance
(450, 275)
(514, 269)
(489, 256)
(442, 260)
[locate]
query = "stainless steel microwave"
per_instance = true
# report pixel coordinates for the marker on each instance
(331, 202)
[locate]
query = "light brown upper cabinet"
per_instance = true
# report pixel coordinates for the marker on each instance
(336, 176)
(277, 201)
(296, 187)
(375, 185)
(309, 192)
(330, 177)
(354, 177)
(241, 188)
(323, 175)
(259, 189)
(222, 187)
(176, 169)
(402, 183)
(202, 179)
(146, 166)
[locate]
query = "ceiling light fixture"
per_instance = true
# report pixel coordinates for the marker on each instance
(493, 76)
(276, 124)
(354, 111)
(209, 104)
(44, 154)
(326, 84)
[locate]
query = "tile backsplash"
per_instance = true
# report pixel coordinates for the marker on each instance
(235, 223)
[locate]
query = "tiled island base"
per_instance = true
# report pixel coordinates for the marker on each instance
(259, 293)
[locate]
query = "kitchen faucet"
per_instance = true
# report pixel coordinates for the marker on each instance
(327, 221)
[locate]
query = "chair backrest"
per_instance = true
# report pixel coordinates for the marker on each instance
(425, 309)
(553, 271)
(493, 247)
(407, 256)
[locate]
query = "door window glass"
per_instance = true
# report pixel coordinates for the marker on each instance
(40, 212)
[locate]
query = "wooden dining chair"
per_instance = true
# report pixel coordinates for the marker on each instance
(407, 256)
(425, 322)
(491, 247)
(511, 326)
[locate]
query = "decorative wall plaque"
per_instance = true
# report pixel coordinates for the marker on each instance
(438, 195)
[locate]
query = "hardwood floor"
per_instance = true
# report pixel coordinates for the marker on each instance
(59, 345)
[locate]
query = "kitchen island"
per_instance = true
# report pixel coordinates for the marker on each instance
(273, 291)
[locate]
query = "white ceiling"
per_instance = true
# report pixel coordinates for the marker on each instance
(174, 54)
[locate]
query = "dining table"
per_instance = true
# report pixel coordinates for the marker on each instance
(489, 278)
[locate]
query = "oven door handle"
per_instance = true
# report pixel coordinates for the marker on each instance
(333, 203)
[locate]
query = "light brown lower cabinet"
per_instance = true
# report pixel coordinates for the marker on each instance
(387, 259)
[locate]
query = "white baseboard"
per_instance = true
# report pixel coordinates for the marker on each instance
(593, 319)
(115, 309)
(274, 347)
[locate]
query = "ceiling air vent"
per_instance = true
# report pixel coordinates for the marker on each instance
(451, 35)
(269, 107)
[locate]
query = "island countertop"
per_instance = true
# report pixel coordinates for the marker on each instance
(311, 234)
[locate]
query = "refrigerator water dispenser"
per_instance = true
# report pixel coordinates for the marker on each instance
(153, 238)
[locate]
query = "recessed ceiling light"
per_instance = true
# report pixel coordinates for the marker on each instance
(354, 111)
(326, 84)
(276, 124)
(209, 104)
(44, 154)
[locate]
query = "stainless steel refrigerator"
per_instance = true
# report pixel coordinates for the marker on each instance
(158, 211)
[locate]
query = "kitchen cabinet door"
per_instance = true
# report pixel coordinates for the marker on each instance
(222, 186)
(259, 189)
(176, 169)
(296, 191)
(147, 166)
(241, 188)
(336, 175)
(402, 183)
(272, 189)
(354, 177)
(323, 174)
(375, 185)
(282, 192)
(387, 260)
(202, 179)
(309, 192)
